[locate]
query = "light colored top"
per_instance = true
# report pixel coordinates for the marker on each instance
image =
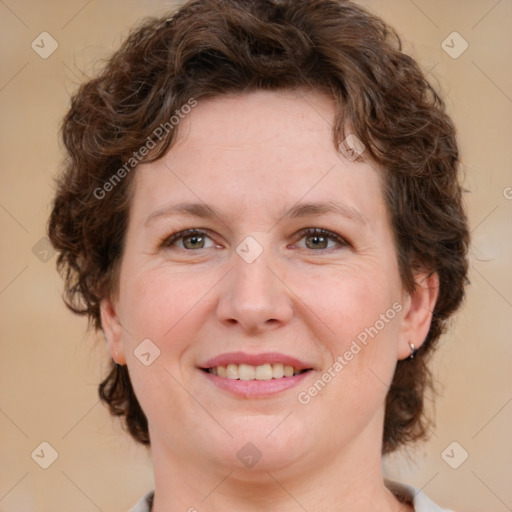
(417, 498)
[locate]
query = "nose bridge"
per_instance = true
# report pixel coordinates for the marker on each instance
(253, 296)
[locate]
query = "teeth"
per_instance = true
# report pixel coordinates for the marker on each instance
(265, 371)
(232, 371)
(278, 370)
(246, 372)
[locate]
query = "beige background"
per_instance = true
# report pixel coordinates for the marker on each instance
(50, 366)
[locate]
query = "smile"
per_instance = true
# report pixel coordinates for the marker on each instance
(267, 371)
(255, 375)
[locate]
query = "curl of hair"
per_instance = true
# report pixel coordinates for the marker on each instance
(116, 390)
(215, 47)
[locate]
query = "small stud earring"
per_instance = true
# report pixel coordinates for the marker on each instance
(413, 350)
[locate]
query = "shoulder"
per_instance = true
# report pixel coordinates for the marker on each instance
(144, 504)
(419, 500)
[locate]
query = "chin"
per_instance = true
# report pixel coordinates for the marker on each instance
(263, 443)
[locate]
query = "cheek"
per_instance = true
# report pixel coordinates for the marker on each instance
(349, 299)
(169, 310)
(163, 306)
(360, 308)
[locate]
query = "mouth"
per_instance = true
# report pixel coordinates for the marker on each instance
(266, 371)
(255, 375)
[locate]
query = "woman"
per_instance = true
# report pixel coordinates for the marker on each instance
(261, 210)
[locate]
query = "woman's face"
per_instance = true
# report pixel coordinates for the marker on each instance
(291, 264)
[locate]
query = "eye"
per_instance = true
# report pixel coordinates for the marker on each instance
(190, 239)
(318, 239)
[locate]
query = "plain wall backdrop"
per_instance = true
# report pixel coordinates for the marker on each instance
(50, 365)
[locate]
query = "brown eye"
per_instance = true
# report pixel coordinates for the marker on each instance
(316, 242)
(193, 242)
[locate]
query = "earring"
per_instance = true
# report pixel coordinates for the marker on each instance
(413, 350)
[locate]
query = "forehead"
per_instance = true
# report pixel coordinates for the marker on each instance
(255, 151)
(261, 128)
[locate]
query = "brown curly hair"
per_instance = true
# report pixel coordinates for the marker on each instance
(212, 47)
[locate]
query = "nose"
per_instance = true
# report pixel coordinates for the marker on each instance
(254, 296)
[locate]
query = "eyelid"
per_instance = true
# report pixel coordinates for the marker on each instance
(168, 240)
(324, 232)
(177, 235)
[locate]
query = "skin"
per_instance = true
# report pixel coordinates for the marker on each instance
(253, 157)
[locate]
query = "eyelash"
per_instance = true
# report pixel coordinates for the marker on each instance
(173, 237)
(325, 233)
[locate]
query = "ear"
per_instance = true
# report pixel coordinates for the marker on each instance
(417, 313)
(113, 331)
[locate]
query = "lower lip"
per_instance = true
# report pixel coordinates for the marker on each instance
(256, 388)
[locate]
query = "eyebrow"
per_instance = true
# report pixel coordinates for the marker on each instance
(330, 207)
(204, 211)
(189, 209)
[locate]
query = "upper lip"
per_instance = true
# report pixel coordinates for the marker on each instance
(255, 360)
